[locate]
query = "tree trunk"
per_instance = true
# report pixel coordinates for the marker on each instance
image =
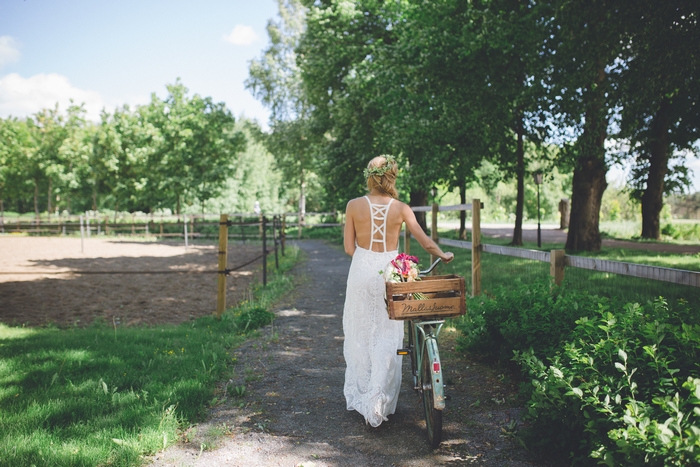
(653, 196)
(587, 193)
(420, 198)
(463, 214)
(589, 173)
(520, 174)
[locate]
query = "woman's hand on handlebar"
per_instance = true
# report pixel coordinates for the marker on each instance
(449, 256)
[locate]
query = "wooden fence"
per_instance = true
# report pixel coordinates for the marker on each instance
(558, 259)
(278, 239)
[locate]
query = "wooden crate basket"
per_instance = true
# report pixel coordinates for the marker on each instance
(445, 298)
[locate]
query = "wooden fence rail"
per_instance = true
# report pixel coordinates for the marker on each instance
(558, 259)
(643, 271)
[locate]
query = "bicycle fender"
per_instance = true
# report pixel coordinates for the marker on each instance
(436, 374)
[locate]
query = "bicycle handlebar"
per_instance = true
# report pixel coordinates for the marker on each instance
(429, 270)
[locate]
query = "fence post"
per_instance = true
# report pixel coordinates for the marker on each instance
(406, 240)
(274, 239)
(556, 265)
(283, 234)
(263, 226)
(476, 247)
(82, 243)
(223, 250)
(184, 222)
(299, 222)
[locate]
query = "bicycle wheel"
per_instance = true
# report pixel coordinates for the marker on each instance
(413, 348)
(433, 416)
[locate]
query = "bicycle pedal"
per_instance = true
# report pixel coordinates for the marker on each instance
(403, 351)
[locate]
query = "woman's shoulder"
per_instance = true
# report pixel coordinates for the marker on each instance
(355, 203)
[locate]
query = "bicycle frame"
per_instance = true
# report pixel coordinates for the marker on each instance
(427, 369)
(428, 343)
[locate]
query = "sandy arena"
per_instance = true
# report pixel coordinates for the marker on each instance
(41, 284)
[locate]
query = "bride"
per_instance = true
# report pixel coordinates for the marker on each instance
(371, 237)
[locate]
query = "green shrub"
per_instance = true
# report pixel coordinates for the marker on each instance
(533, 316)
(623, 391)
(678, 231)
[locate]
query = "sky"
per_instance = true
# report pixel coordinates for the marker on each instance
(110, 53)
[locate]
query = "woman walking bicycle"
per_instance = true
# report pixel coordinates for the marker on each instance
(372, 229)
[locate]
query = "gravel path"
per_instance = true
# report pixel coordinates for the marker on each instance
(293, 411)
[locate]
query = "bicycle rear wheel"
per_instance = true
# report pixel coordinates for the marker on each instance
(433, 416)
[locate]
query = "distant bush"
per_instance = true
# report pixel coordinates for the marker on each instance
(679, 231)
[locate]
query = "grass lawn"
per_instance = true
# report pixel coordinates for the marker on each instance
(107, 395)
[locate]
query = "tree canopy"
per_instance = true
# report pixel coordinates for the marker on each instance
(449, 86)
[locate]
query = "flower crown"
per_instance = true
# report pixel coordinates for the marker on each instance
(380, 171)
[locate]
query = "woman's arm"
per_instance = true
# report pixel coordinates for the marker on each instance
(349, 231)
(426, 242)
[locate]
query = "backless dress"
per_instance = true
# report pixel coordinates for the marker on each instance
(373, 372)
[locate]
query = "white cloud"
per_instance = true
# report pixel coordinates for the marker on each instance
(8, 50)
(241, 35)
(22, 97)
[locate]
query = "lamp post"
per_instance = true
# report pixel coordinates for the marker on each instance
(538, 182)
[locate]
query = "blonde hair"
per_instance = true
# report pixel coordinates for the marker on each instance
(381, 175)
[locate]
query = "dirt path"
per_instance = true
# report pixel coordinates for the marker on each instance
(293, 413)
(66, 282)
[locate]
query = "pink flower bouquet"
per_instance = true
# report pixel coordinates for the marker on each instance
(403, 268)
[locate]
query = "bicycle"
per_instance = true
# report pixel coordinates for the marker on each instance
(423, 332)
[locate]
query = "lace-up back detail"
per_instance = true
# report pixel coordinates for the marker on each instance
(379, 214)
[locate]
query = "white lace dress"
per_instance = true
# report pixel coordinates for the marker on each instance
(373, 373)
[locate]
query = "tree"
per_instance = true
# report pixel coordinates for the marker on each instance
(255, 178)
(585, 38)
(658, 90)
(15, 153)
(196, 148)
(275, 79)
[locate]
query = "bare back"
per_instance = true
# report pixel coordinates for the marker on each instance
(359, 230)
(377, 223)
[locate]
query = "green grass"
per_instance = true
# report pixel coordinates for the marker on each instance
(108, 395)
